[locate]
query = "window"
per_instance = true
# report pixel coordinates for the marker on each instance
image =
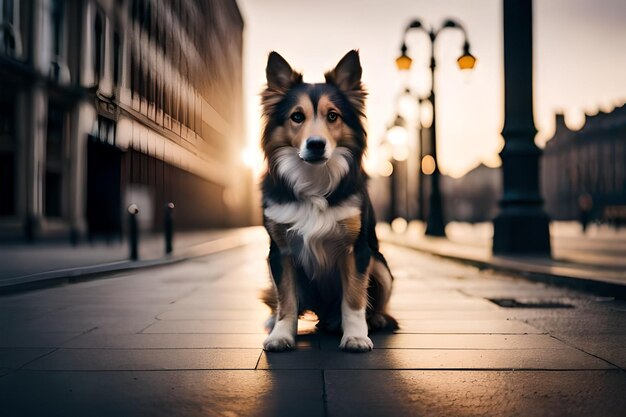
(57, 9)
(116, 58)
(98, 66)
(133, 76)
(55, 143)
(10, 39)
(7, 155)
(106, 130)
(58, 69)
(6, 11)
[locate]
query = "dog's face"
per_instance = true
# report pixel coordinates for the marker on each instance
(316, 122)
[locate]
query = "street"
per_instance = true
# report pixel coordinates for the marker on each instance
(185, 340)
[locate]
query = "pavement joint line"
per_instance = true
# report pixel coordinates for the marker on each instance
(615, 370)
(565, 342)
(135, 370)
(300, 349)
(145, 348)
(181, 297)
(294, 370)
(79, 335)
(324, 393)
(144, 328)
(52, 350)
(258, 360)
(428, 333)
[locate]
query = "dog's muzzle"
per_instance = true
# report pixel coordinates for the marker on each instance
(314, 150)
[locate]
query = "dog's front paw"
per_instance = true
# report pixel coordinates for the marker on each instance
(356, 344)
(279, 343)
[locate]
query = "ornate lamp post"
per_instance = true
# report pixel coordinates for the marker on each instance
(435, 225)
(396, 140)
(522, 227)
(411, 104)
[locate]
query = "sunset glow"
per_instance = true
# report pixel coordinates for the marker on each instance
(469, 104)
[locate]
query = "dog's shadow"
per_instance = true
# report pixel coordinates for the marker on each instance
(304, 375)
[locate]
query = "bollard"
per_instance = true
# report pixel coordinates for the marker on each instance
(133, 231)
(168, 227)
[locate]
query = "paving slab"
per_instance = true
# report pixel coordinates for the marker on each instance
(186, 340)
(610, 347)
(217, 326)
(541, 291)
(146, 359)
(456, 314)
(456, 341)
(589, 323)
(16, 338)
(475, 393)
(14, 358)
(205, 314)
(11, 313)
(407, 302)
(162, 393)
(556, 359)
(466, 326)
(102, 340)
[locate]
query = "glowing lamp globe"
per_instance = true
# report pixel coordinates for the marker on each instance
(403, 62)
(397, 136)
(466, 62)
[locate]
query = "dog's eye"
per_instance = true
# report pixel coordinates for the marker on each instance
(297, 117)
(332, 116)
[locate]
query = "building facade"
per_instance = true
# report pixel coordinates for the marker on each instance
(474, 197)
(110, 102)
(586, 167)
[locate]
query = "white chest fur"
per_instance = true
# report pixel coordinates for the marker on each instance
(316, 223)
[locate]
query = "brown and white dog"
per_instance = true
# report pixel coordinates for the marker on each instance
(324, 254)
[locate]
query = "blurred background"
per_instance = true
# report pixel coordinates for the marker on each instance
(109, 103)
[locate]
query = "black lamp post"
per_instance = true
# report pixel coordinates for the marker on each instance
(420, 147)
(435, 224)
(521, 227)
(396, 138)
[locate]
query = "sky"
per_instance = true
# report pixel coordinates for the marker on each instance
(579, 63)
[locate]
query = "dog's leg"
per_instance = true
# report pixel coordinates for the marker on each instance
(283, 335)
(354, 284)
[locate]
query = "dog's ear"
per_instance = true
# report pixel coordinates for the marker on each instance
(347, 73)
(280, 76)
(347, 77)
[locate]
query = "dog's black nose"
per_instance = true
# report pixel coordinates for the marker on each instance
(314, 149)
(315, 145)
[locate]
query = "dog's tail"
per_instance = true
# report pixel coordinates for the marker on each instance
(268, 296)
(379, 292)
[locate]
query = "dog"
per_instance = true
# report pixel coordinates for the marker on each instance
(324, 255)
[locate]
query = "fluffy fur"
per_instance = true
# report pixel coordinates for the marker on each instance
(324, 254)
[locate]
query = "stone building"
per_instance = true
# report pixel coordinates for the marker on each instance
(587, 163)
(110, 102)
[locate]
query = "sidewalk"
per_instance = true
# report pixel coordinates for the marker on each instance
(186, 340)
(28, 264)
(595, 261)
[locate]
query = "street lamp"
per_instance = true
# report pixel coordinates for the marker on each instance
(412, 105)
(435, 225)
(397, 142)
